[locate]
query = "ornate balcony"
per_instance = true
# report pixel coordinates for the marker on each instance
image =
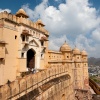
(26, 32)
(43, 38)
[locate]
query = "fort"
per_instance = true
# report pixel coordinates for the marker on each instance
(53, 75)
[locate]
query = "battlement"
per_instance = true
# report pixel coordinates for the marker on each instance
(33, 81)
(59, 57)
(20, 20)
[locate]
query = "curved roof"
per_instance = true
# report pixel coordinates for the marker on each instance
(76, 51)
(40, 22)
(21, 12)
(65, 47)
(84, 53)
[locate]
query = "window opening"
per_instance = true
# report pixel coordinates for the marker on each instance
(15, 37)
(42, 43)
(77, 57)
(22, 54)
(23, 38)
(67, 56)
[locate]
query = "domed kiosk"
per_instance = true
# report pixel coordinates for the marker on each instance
(84, 53)
(66, 50)
(76, 51)
(76, 54)
(39, 22)
(22, 13)
(65, 47)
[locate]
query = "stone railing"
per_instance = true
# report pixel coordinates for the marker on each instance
(22, 86)
(94, 86)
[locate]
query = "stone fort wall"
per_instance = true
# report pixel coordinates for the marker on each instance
(50, 84)
(19, 20)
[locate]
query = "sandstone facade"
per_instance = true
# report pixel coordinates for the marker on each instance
(24, 46)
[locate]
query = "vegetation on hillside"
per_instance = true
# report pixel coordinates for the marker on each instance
(96, 79)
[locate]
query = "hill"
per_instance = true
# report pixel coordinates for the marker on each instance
(94, 61)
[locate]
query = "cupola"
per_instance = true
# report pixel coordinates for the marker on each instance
(39, 22)
(21, 13)
(65, 47)
(76, 51)
(84, 53)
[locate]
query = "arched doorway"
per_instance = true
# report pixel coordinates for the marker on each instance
(31, 59)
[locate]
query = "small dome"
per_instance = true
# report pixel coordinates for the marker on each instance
(40, 22)
(84, 53)
(65, 47)
(21, 12)
(76, 51)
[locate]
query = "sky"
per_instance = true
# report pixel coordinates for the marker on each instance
(76, 21)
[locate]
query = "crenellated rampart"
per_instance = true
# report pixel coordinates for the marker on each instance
(21, 20)
(39, 85)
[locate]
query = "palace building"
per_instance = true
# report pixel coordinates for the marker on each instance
(24, 47)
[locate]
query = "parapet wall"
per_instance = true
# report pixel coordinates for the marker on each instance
(22, 86)
(17, 20)
(94, 86)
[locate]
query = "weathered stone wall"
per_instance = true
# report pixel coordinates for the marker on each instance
(82, 94)
(39, 83)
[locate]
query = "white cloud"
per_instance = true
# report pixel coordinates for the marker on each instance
(34, 15)
(75, 19)
(96, 34)
(8, 10)
(84, 43)
(58, 1)
(56, 42)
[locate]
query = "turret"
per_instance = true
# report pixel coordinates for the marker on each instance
(84, 56)
(40, 23)
(66, 50)
(21, 13)
(76, 54)
(85, 69)
(78, 68)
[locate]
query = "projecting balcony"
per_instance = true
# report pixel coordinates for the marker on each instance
(26, 33)
(43, 38)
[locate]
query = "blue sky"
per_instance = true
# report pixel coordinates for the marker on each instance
(14, 5)
(76, 21)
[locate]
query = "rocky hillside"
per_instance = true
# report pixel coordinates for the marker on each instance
(94, 61)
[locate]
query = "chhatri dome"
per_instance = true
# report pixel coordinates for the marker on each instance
(40, 22)
(22, 13)
(76, 51)
(65, 47)
(84, 53)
